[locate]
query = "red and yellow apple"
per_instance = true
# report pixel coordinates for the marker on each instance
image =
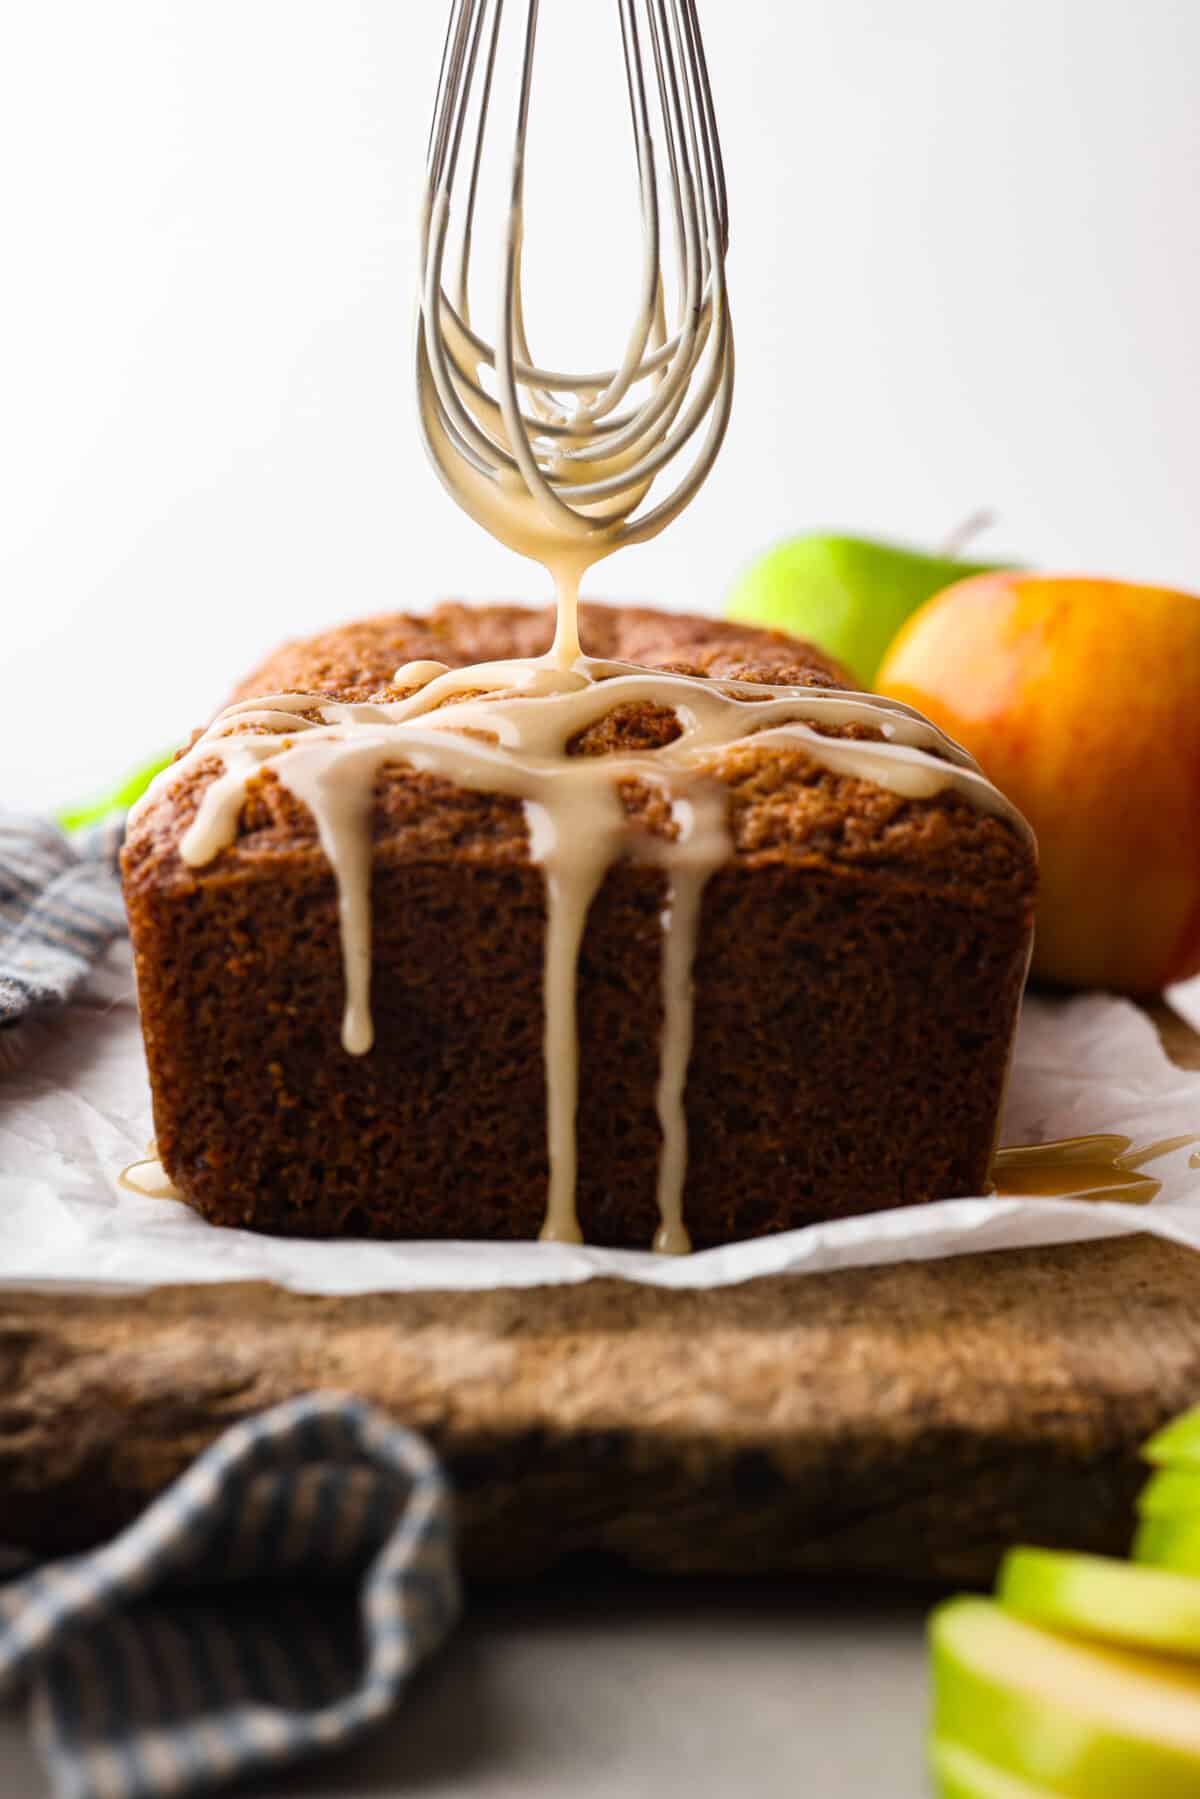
(1080, 699)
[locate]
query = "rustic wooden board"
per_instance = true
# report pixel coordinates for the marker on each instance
(911, 1420)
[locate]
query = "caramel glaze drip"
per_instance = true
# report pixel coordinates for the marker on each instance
(1105, 1166)
(504, 727)
(148, 1178)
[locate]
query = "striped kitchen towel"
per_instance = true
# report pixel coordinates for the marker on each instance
(270, 1605)
(60, 907)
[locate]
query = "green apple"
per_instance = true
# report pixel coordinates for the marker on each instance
(119, 800)
(1171, 1493)
(1080, 1720)
(849, 595)
(1176, 1445)
(1169, 1542)
(960, 1774)
(1094, 1596)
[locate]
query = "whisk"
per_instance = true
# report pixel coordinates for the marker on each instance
(582, 450)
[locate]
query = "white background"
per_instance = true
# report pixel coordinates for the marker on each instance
(965, 271)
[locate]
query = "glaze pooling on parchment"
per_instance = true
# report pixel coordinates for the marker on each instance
(148, 1178)
(1104, 1166)
(504, 727)
(557, 467)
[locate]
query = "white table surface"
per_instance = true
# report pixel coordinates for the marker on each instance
(582, 1689)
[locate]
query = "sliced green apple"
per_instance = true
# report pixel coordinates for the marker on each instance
(960, 1774)
(1081, 1720)
(1169, 1543)
(850, 595)
(1171, 1493)
(1176, 1445)
(1094, 1596)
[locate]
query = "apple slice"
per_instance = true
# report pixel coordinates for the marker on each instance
(960, 1774)
(1171, 1493)
(1095, 1596)
(1176, 1445)
(1169, 1543)
(1080, 1720)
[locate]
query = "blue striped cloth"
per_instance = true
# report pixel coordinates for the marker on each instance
(60, 907)
(274, 1601)
(270, 1605)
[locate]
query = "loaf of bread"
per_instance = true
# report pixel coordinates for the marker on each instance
(858, 972)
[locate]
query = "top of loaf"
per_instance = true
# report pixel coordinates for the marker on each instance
(357, 661)
(783, 804)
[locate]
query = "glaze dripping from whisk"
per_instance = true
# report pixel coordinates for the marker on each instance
(560, 467)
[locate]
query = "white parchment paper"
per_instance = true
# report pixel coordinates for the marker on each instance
(74, 1109)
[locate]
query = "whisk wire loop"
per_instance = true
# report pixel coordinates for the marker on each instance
(584, 448)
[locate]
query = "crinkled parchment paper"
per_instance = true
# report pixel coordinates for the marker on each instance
(75, 1109)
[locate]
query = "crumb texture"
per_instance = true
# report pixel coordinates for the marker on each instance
(860, 965)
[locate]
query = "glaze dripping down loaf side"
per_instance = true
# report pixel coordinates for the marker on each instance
(859, 968)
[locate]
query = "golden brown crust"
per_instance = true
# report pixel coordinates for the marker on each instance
(860, 966)
(357, 661)
(782, 802)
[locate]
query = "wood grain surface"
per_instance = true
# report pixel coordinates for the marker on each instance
(910, 1420)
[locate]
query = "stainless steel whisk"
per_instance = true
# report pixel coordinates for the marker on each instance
(585, 447)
